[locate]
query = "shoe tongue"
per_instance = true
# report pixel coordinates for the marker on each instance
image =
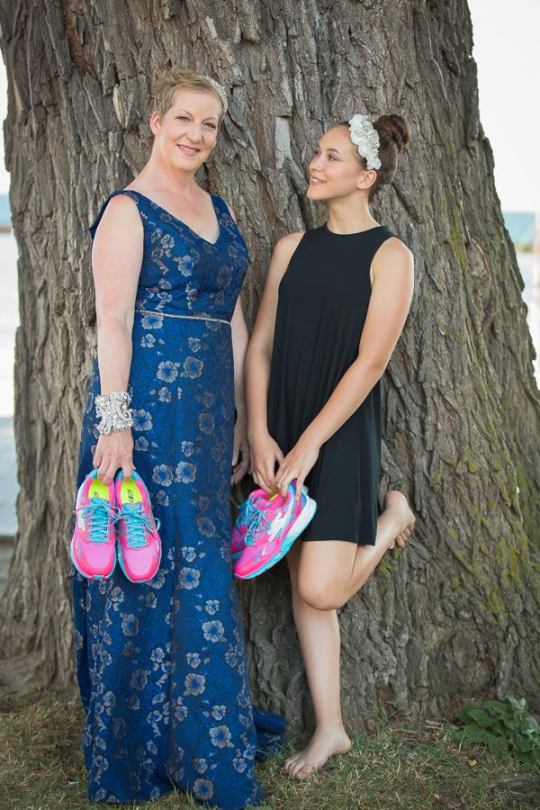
(98, 501)
(132, 507)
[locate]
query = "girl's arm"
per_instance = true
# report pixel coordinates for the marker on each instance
(265, 451)
(116, 262)
(391, 296)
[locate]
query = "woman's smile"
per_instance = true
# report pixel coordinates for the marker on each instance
(188, 150)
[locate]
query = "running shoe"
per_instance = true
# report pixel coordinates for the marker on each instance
(249, 511)
(268, 540)
(93, 545)
(139, 543)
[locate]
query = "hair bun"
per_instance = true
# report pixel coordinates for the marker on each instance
(396, 128)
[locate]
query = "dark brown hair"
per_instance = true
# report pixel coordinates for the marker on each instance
(394, 135)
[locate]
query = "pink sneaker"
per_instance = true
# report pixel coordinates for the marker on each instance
(257, 500)
(139, 544)
(273, 532)
(93, 545)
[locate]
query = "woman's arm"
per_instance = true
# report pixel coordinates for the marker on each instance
(391, 296)
(265, 451)
(240, 339)
(116, 262)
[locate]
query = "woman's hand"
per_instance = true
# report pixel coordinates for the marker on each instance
(114, 451)
(240, 461)
(296, 465)
(264, 455)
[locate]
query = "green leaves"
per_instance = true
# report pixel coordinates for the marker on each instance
(502, 726)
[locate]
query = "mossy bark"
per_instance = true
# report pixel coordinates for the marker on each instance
(455, 616)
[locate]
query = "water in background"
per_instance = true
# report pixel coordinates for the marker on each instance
(524, 230)
(529, 264)
(9, 306)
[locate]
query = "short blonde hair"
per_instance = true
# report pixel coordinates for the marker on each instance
(170, 81)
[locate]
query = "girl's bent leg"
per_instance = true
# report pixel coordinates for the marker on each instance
(330, 572)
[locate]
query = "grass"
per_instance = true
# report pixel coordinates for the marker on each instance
(394, 764)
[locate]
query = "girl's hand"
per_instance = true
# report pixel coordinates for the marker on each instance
(240, 461)
(265, 453)
(296, 465)
(114, 451)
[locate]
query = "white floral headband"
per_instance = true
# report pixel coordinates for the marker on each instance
(220, 91)
(366, 138)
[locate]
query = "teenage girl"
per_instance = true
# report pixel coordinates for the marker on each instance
(335, 303)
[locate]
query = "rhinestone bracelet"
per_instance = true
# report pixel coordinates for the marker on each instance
(114, 412)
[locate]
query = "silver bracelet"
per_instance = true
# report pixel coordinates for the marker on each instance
(114, 412)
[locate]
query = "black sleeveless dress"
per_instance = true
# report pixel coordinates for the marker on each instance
(323, 302)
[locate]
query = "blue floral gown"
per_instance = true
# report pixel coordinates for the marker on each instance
(161, 666)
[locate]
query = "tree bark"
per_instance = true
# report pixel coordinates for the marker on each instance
(455, 616)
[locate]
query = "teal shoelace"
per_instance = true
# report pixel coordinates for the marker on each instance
(247, 513)
(98, 513)
(257, 521)
(137, 524)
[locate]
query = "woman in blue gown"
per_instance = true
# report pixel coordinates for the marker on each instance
(161, 665)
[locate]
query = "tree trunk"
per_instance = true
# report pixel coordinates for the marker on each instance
(456, 615)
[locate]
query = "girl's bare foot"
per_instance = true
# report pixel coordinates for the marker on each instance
(326, 742)
(396, 504)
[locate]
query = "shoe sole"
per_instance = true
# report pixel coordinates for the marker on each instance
(305, 518)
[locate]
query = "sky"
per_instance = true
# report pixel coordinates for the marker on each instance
(505, 50)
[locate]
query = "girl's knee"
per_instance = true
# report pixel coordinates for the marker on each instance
(319, 595)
